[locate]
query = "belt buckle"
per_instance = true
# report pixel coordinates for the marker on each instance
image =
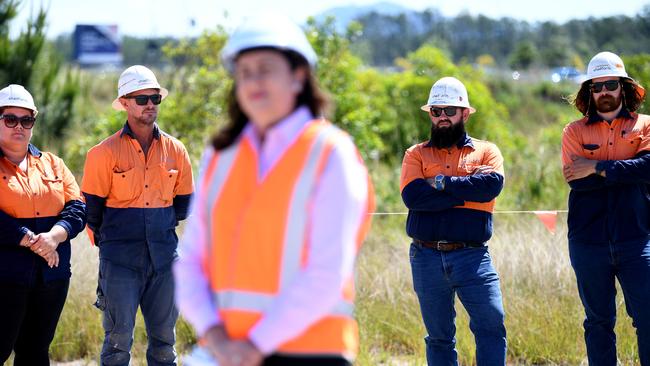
(439, 242)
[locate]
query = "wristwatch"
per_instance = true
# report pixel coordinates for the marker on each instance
(439, 182)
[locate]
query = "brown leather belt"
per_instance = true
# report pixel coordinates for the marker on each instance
(445, 246)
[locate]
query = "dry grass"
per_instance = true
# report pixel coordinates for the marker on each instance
(543, 311)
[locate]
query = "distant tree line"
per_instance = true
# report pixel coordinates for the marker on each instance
(508, 41)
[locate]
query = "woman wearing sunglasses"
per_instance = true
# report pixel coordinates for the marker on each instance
(40, 211)
(266, 267)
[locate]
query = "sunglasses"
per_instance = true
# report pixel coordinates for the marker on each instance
(12, 120)
(610, 85)
(144, 99)
(449, 111)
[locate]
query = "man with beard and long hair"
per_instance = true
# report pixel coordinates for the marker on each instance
(606, 162)
(449, 185)
(137, 184)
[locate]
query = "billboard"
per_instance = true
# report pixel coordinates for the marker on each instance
(97, 45)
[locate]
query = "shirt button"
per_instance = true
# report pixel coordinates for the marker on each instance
(38, 213)
(147, 203)
(146, 186)
(611, 143)
(448, 167)
(123, 176)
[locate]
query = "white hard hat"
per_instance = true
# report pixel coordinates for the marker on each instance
(448, 91)
(609, 64)
(16, 95)
(605, 64)
(136, 78)
(275, 31)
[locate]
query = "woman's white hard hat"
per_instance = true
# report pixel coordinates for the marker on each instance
(269, 30)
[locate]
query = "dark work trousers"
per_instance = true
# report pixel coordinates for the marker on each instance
(275, 360)
(28, 318)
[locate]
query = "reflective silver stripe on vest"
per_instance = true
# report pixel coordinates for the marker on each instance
(294, 238)
(259, 303)
(216, 182)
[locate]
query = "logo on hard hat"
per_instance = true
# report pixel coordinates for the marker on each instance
(18, 98)
(602, 67)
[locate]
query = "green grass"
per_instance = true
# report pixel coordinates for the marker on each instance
(543, 312)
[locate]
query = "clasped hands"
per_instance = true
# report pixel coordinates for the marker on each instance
(44, 245)
(230, 352)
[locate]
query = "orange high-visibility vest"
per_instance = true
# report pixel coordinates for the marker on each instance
(259, 238)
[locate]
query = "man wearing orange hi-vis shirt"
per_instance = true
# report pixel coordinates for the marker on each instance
(606, 162)
(449, 185)
(137, 184)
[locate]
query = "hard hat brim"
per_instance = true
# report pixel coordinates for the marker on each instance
(427, 107)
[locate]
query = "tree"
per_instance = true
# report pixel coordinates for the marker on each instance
(30, 61)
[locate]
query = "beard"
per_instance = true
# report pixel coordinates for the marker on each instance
(446, 137)
(608, 103)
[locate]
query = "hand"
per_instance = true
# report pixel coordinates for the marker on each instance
(43, 244)
(579, 167)
(431, 181)
(26, 241)
(52, 259)
(218, 344)
(246, 353)
(483, 169)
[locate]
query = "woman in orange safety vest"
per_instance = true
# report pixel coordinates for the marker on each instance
(265, 273)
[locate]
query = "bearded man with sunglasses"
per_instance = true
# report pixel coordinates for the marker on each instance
(137, 184)
(449, 185)
(606, 162)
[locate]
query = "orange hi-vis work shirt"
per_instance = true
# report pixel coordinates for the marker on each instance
(616, 207)
(463, 210)
(259, 238)
(43, 196)
(135, 202)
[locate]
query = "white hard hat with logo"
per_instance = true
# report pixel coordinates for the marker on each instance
(16, 95)
(269, 30)
(608, 64)
(136, 78)
(448, 91)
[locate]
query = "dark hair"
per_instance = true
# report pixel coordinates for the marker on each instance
(311, 96)
(583, 100)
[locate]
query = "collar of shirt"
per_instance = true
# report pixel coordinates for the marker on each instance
(128, 131)
(464, 141)
(594, 118)
(278, 138)
(31, 149)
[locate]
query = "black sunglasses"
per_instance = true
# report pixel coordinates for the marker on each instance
(610, 85)
(11, 121)
(449, 111)
(144, 99)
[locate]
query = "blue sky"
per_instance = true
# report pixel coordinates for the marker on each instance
(146, 18)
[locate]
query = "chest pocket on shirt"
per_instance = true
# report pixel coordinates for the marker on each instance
(125, 187)
(167, 182)
(431, 170)
(54, 188)
(590, 150)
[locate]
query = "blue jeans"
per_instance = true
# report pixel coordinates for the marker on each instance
(437, 277)
(121, 290)
(596, 266)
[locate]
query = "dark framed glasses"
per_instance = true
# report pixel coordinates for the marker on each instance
(449, 111)
(610, 85)
(11, 121)
(144, 99)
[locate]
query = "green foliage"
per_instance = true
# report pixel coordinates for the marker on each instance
(30, 61)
